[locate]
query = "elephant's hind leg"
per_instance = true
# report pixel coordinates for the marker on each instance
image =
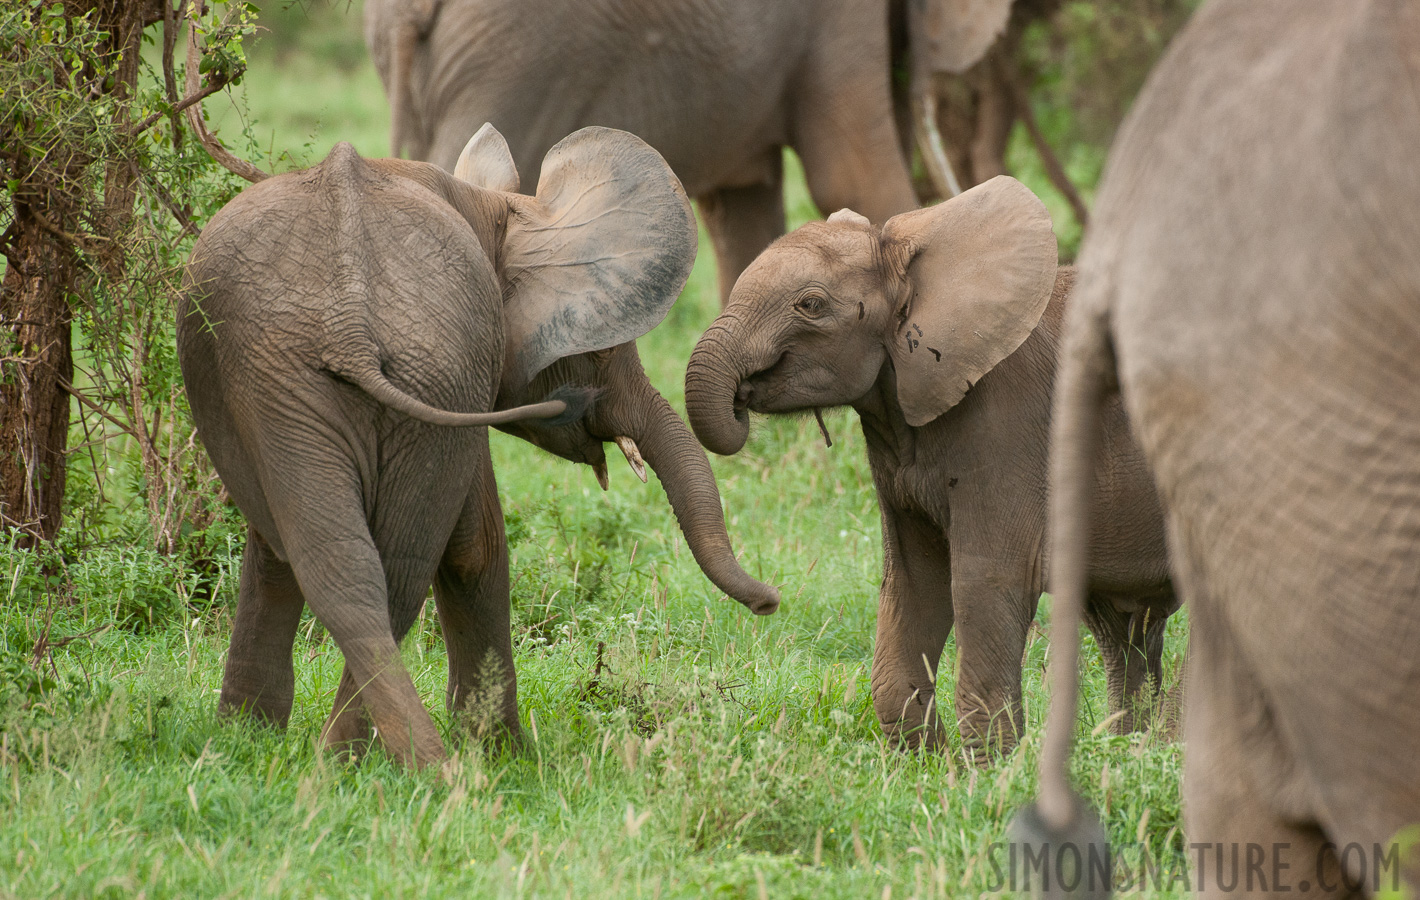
(742, 222)
(259, 679)
(471, 590)
(1132, 644)
(334, 557)
(348, 729)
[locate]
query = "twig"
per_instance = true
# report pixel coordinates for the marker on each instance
(212, 87)
(123, 426)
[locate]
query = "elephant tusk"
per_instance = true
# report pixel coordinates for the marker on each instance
(633, 456)
(934, 153)
(823, 429)
(599, 468)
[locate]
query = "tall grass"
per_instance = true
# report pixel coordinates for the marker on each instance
(675, 745)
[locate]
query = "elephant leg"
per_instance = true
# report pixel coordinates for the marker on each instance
(259, 680)
(1132, 644)
(1247, 803)
(994, 607)
(742, 221)
(471, 590)
(348, 729)
(914, 620)
(320, 514)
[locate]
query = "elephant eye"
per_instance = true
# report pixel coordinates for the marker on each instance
(812, 304)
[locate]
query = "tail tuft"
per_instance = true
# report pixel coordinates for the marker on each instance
(1050, 862)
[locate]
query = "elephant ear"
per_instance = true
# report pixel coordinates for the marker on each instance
(980, 269)
(598, 256)
(953, 35)
(487, 162)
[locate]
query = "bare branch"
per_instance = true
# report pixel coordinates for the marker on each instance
(1053, 169)
(230, 161)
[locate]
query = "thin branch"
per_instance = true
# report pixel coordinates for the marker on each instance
(122, 426)
(230, 161)
(152, 118)
(1053, 169)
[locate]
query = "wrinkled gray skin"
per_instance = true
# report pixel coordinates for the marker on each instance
(719, 87)
(961, 480)
(312, 294)
(1251, 286)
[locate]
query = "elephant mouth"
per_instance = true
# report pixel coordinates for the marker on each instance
(762, 391)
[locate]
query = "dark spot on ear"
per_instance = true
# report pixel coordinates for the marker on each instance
(918, 327)
(951, 482)
(860, 310)
(937, 353)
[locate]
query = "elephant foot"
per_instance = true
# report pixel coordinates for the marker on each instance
(254, 705)
(911, 723)
(986, 737)
(347, 732)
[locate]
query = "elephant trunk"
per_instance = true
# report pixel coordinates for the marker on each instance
(717, 368)
(684, 471)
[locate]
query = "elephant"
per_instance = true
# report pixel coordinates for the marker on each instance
(1251, 290)
(719, 87)
(346, 335)
(940, 329)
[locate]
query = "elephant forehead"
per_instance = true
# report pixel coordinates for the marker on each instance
(820, 251)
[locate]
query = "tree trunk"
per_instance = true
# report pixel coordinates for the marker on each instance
(35, 316)
(34, 407)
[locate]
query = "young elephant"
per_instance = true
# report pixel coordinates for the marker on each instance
(332, 318)
(940, 329)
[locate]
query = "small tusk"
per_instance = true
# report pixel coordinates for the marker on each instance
(818, 414)
(934, 153)
(633, 456)
(600, 469)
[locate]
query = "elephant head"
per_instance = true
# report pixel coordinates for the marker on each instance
(592, 261)
(941, 294)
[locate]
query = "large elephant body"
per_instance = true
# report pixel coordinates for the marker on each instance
(940, 329)
(718, 87)
(347, 333)
(1251, 286)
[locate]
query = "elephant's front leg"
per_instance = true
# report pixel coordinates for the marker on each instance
(995, 602)
(471, 590)
(259, 679)
(914, 619)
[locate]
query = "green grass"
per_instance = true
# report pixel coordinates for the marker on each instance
(718, 755)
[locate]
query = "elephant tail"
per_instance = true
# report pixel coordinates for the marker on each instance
(1060, 817)
(413, 25)
(566, 404)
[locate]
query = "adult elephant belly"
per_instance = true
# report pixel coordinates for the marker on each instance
(710, 98)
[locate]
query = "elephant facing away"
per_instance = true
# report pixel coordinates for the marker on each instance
(346, 335)
(718, 87)
(1251, 288)
(940, 330)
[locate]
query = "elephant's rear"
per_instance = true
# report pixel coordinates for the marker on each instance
(1253, 261)
(308, 274)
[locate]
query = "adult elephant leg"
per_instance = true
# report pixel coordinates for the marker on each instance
(1132, 644)
(471, 590)
(743, 221)
(1245, 794)
(259, 680)
(995, 602)
(914, 619)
